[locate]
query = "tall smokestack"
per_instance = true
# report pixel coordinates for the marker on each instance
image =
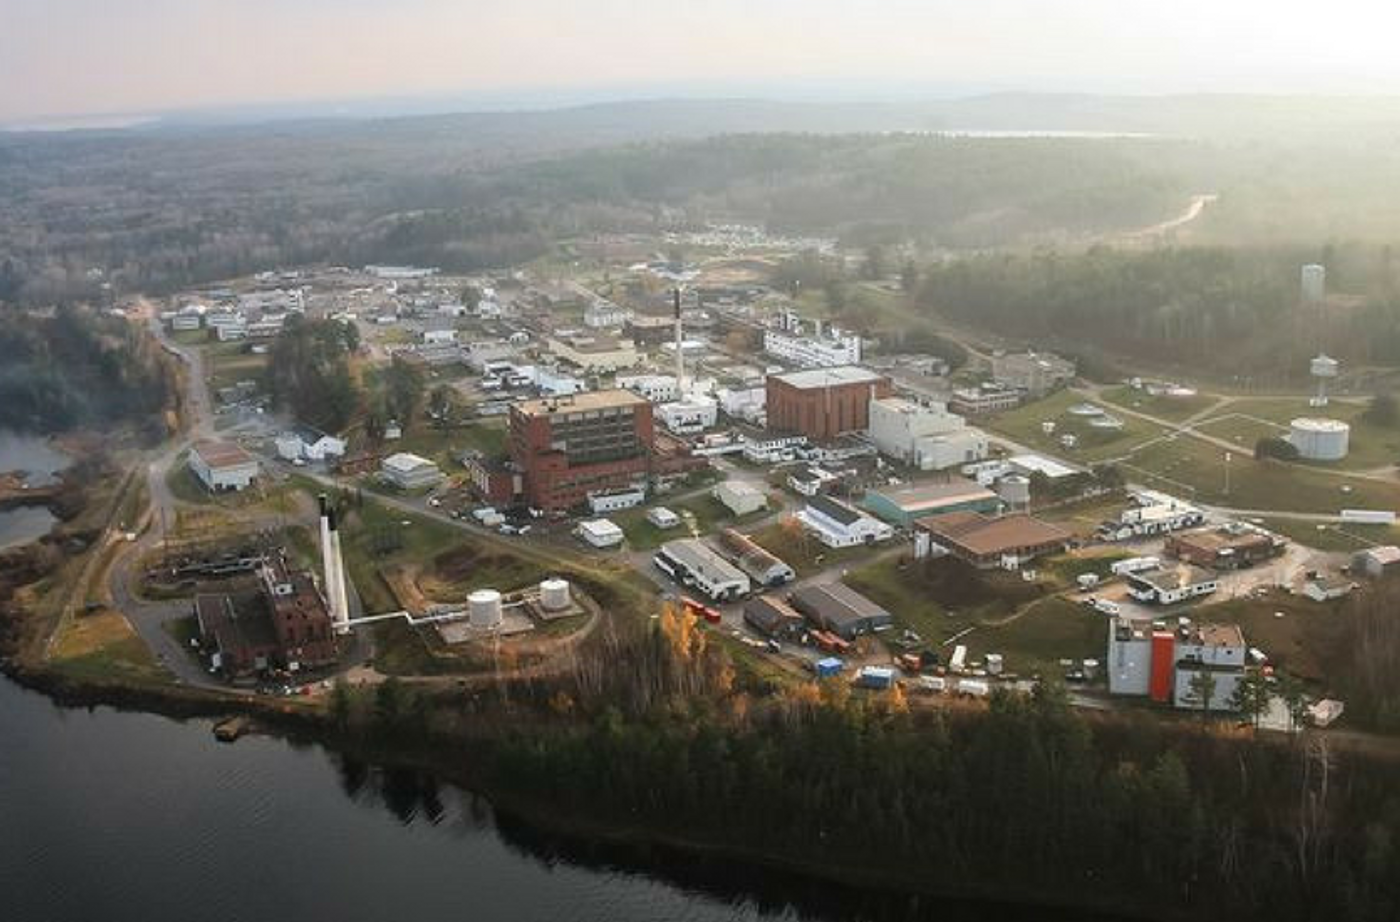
(680, 350)
(327, 555)
(340, 607)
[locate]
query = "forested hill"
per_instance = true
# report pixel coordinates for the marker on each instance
(75, 368)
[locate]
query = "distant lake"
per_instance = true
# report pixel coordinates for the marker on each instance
(34, 455)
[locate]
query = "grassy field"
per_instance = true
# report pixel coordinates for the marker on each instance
(804, 553)
(1023, 424)
(1339, 537)
(228, 363)
(374, 536)
(966, 605)
(700, 515)
(1371, 446)
(445, 446)
(1176, 409)
(1186, 465)
(1304, 641)
(105, 647)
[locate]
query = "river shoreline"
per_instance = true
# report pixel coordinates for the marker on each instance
(299, 726)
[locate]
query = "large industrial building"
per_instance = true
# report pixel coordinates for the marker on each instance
(819, 351)
(595, 353)
(901, 506)
(924, 436)
(1152, 660)
(838, 608)
(692, 563)
(566, 448)
(1008, 541)
(283, 623)
(1230, 547)
(1036, 373)
(824, 403)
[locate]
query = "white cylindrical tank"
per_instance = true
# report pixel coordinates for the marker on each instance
(484, 609)
(994, 664)
(1015, 489)
(554, 594)
(1320, 439)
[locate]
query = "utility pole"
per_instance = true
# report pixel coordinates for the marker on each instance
(1227, 473)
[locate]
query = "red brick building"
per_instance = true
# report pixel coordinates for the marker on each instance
(281, 622)
(569, 447)
(823, 403)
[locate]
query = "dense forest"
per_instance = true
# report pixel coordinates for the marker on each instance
(153, 210)
(74, 367)
(1028, 799)
(1227, 310)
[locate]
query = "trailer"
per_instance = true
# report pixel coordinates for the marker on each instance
(828, 668)
(879, 678)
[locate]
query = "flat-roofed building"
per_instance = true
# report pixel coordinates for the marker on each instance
(595, 352)
(408, 471)
(1008, 541)
(823, 403)
(925, 436)
(901, 506)
(1170, 585)
(567, 448)
(1225, 548)
(1036, 373)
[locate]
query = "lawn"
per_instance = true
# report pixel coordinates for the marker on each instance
(1333, 537)
(957, 602)
(104, 646)
(228, 363)
(1023, 425)
(1304, 642)
(700, 515)
(445, 446)
(1197, 469)
(1175, 409)
(1371, 446)
(804, 553)
(374, 536)
(187, 488)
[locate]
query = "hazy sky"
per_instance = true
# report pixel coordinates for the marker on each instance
(61, 57)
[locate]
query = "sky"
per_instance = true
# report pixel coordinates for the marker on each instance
(84, 57)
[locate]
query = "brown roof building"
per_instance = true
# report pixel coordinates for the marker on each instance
(986, 542)
(1229, 548)
(823, 403)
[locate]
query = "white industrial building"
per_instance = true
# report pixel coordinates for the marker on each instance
(599, 533)
(616, 500)
(1168, 586)
(1153, 660)
(739, 497)
(1320, 439)
(1152, 513)
(692, 563)
(925, 436)
(1217, 650)
(410, 472)
(814, 351)
(223, 466)
(653, 388)
(837, 525)
(689, 416)
(748, 404)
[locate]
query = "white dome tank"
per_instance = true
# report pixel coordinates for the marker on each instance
(1324, 366)
(484, 609)
(554, 594)
(1320, 439)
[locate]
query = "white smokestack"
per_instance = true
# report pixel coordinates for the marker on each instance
(680, 350)
(340, 611)
(328, 557)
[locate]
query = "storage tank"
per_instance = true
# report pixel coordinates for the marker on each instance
(1015, 490)
(1320, 439)
(995, 664)
(554, 594)
(484, 609)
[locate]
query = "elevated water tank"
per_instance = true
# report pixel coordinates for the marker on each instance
(554, 594)
(484, 609)
(1319, 439)
(1324, 366)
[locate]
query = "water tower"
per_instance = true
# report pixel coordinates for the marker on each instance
(1323, 368)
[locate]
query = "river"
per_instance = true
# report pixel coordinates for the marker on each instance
(117, 816)
(41, 461)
